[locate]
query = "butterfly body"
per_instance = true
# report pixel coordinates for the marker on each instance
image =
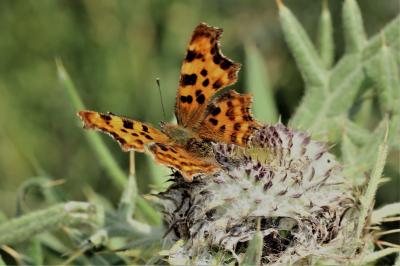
(188, 139)
(203, 116)
(178, 134)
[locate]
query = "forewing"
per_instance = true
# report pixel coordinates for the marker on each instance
(130, 134)
(228, 119)
(204, 71)
(178, 158)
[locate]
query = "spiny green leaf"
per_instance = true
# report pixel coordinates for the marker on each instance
(368, 151)
(344, 90)
(376, 255)
(354, 32)
(312, 101)
(24, 227)
(394, 131)
(321, 103)
(353, 168)
(317, 107)
(349, 153)
(258, 84)
(388, 210)
(363, 108)
(35, 251)
(384, 71)
(302, 49)
(365, 155)
(357, 134)
(389, 83)
(390, 33)
(50, 241)
(325, 37)
(42, 184)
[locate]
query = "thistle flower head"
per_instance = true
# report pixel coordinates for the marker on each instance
(288, 184)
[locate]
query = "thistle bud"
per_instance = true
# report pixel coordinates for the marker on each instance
(284, 182)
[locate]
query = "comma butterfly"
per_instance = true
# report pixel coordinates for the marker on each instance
(203, 117)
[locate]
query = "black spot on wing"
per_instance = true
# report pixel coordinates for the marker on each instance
(214, 49)
(128, 124)
(236, 126)
(105, 117)
(200, 99)
(204, 72)
(186, 99)
(217, 59)
(145, 128)
(213, 121)
(118, 138)
(148, 137)
(188, 79)
(216, 111)
(225, 64)
(233, 137)
(139, 142)
(190, 56)
(217, 84)
(205, 83)
(162, 146)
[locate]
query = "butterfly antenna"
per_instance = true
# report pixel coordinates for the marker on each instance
(161, 98)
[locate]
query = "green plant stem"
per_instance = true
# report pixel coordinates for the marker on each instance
(254, 251)
(127, 203)
(368, 198)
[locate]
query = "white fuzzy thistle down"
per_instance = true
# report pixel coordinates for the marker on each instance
(287, 183)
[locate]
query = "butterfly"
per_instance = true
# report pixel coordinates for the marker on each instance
(204, 115)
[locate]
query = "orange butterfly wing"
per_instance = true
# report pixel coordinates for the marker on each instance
(228, 119)
(204, 71)
(130, 134)
(177, 157)
(135, 135)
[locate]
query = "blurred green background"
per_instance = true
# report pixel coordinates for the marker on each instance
(114, 51)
